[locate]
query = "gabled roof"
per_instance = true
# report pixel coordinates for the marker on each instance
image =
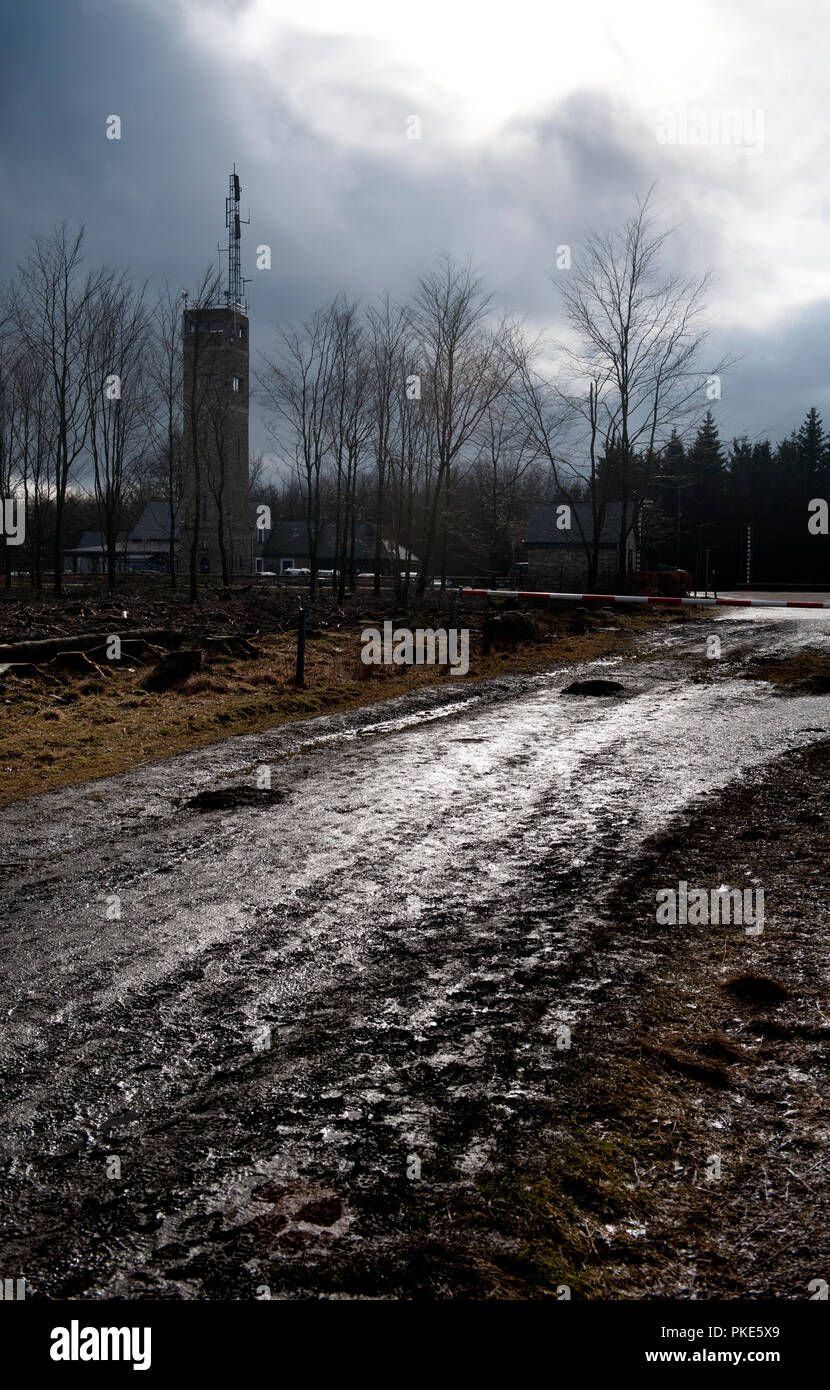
(90, 539)
(290, 538)
(541, 526)
(154, 523)
(97, 541)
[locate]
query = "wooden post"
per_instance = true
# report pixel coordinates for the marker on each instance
(301, 626)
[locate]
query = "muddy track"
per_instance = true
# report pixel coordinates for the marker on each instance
(266, 1046)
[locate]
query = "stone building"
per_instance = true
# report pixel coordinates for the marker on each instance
(556, 555)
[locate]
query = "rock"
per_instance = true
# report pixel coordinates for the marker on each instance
(594, 687)
(233, 798)
(757, 989)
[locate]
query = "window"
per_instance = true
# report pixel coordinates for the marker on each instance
(241, 331)
(260, 564)
(237, 383)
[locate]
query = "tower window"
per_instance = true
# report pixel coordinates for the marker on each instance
(237, 383)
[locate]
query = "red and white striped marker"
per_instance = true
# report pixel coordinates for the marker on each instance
(646, 598)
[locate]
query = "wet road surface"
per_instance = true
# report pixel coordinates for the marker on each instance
(229, 1035)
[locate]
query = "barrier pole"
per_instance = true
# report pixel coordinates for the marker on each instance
(646, 598)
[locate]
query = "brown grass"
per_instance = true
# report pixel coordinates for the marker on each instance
(98, 726)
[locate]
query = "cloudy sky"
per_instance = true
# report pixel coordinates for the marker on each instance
(536, 122)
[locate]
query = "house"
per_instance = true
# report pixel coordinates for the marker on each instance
(281, 547)
(145, 547)
(89, 556)
(556, 554)
(286, 547)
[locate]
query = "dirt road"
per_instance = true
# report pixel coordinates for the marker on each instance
(244, 1035)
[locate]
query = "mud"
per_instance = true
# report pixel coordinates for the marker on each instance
(322, 1033)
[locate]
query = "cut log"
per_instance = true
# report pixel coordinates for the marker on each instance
(45, 648)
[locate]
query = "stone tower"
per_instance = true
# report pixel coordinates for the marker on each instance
(216, 389)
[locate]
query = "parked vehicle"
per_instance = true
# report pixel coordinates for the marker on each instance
(295, 574)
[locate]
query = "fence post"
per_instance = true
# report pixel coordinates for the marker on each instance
(301, 625)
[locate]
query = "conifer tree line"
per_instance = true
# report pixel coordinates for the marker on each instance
(441, 421)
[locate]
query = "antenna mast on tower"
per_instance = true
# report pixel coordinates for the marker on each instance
(236, 284)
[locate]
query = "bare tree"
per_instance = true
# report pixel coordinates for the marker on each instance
(388, 327)
(548, 416)
(507, 449)
(412, 467)
(639, 337)
(164, 368)
(466, 368)
(350, 426)
(7, 428)
(50, 309)
(297, 389)
(118, 423)
(30, 452)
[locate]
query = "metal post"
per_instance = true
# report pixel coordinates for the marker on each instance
(301, 626)
(454, 609)
(748, 552)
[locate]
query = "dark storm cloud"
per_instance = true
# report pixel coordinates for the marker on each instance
(358, 215)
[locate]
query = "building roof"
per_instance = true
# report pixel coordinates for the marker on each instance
(290, 538)
(542, 530)
(95, 542)
(154, 523)
(287, 538)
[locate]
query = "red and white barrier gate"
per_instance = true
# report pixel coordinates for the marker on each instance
(645, 598)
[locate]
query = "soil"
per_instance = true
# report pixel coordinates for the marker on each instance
(682, 1151)
(71, 719)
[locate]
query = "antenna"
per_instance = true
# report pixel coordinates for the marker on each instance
(234, 223)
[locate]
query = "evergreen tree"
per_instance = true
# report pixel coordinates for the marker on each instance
(705, 458)
(812, 446)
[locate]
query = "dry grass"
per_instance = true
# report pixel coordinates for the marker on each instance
(63, 728)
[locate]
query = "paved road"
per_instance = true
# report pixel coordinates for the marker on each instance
(228, 1034)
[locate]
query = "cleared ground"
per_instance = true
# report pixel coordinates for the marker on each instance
(309, 988)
